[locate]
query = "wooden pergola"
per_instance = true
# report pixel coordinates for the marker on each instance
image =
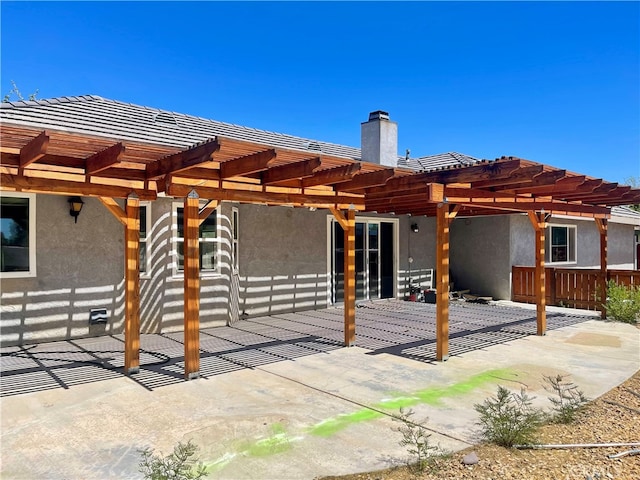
(227, 169)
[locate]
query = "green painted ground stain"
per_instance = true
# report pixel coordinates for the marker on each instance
(429, 396)
(278, 442)
(332, 425)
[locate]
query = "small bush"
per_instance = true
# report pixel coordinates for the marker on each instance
(509, 418)
(417, 441)
(178, 465)
(623, 303)
(567, 400)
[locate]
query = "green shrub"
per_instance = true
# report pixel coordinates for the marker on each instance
(509, 418)
(623, 302)
(178, 465)
(417, 441)
(567, 400)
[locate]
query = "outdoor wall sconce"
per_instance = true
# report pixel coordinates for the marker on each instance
(414, 228)
(76, 204)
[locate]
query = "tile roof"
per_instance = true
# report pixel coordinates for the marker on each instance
(94, 115)
(439, 161)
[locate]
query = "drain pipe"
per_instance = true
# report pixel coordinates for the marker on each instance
(575, 445)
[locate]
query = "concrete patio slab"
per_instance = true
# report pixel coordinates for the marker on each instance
(280, 399)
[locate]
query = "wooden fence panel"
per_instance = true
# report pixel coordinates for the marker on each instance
(569, 287)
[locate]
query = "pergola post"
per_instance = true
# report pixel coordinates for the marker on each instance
(539, 226)
(191, 286)
(442, 281)
(602, 228)
(348, 224)
(132, 286)
(350, 279)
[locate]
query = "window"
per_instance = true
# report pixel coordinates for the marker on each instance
(18, 234)
(560, 244)
(234, 239)
(208, 241)
(145, 219)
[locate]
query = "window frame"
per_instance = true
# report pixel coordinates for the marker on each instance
(235, 238)
(32, 272)
(175, 240)
(146, 273)
(572, 233)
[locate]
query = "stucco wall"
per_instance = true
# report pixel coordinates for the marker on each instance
(282, 259)
(78, 268)
(479, 255)
(81, 267)
(420, 246)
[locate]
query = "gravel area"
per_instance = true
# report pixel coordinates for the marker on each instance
(614, 417)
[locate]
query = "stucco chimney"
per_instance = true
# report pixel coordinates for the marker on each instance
(379, 139)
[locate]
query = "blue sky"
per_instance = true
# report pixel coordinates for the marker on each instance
(558, 83)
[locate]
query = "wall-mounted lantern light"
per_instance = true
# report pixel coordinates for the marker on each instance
(414, 228)
(75, 204)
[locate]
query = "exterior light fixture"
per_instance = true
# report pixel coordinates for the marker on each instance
(75, 204)
(414, 228)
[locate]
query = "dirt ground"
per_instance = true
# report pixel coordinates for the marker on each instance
(614, 417)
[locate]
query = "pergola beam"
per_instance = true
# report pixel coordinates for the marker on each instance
(244, 196)
(255, 162)
(207, 210)
(183, 160)
(366, 180)
(291, 171)
(545, 179)
(43, 185)
(34, 150)
(518, 177)
(331, 176)
(104, 159)
(115, 209)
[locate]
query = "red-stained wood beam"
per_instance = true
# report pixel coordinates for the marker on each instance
(485, 171)
(182, 160)
(244, 196)
(331, 176)
(442, 281)
(42, 185)
(602, 225)
(362, 181)
(191, 286)
(207, 210)
(115, 209)
(561, 186)
(34, 150)
(290, 171)
(256, 162)
(132, 287)
(545, 179)
(104, 159)
(538, 222)
(520, 176)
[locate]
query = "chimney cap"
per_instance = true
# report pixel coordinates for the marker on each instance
(379, 115)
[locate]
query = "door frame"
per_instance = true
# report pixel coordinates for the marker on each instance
(396, 251)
